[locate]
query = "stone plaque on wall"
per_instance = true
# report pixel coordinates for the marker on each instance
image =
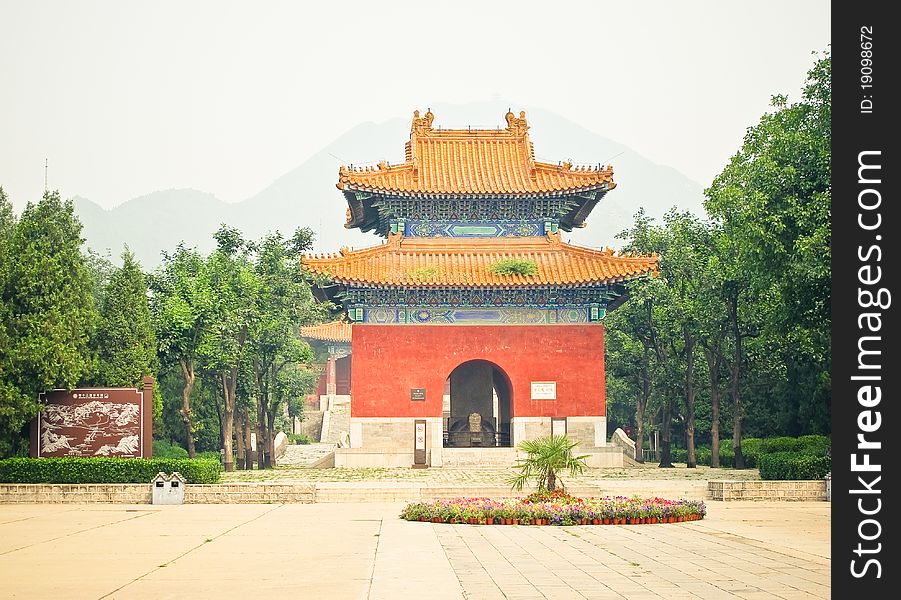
(544, 390)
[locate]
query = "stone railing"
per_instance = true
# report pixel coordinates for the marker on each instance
(140, 493)
(792, 490)
(619, 438)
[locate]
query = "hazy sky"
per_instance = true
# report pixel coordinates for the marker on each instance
(125, 98)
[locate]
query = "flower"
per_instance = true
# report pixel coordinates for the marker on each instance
(558, 508)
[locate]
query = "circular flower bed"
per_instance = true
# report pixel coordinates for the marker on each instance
(556, 508)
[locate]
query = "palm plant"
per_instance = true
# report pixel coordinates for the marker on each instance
(547, 457)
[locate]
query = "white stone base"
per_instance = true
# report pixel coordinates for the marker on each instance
(361, 457)
(590, 432)
(480, 457)
(608, 456)
(388, 442)
(394, 435)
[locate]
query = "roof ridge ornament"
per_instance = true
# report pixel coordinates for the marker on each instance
(394, 239)
(422, 124)
(516, 125)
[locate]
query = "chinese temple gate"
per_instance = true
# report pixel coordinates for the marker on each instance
(473, 322)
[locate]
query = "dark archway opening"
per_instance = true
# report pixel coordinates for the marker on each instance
(478, 411)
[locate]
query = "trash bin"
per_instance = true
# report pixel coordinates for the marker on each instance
(168, 489)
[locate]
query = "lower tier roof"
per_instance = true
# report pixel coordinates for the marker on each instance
(423, 262)
(335, 331)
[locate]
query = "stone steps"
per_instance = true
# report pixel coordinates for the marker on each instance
(305, 455)
(479, 457)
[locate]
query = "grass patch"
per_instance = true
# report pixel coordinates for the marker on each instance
(425, 273)
(514, 266)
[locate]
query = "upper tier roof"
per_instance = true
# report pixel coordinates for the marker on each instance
(335, 331)
(416, 262)
(474, 162)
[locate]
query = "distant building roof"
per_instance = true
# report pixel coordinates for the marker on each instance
(335, 331)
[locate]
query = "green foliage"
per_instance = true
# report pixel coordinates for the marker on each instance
(298, 438)
(105, 470)
(10, 403)
(48, 309)
(703, 453)
(124, 341)
(285, 302)
(166, 449)
(514, 266)
(181, 304)
(547, 458)
(734, 333)
(773, 202)
(227, 327)
(425, 273)
(790, 465)
(181, 309)
(755, 448)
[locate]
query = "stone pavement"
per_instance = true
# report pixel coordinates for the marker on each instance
(325, 551)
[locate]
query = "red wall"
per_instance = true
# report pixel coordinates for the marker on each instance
(389, 360)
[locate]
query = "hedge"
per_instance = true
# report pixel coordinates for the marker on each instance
(105, 470)
(703, 454)
(166, 449)
(753, 448)
(790, 465)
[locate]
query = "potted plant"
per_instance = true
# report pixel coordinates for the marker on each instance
(546, 458)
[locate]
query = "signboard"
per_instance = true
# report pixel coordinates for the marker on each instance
(558, 427)
(417, 393)
(544, 390)
(94, 422)
(419, 440)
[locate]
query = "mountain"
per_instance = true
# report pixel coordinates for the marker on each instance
(306, 196)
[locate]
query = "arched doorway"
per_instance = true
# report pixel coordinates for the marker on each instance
(477, 406)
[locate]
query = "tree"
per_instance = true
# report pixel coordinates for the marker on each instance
(284, 302)
(124, 342)
(235, 288)
(9, 396)
(48, 308)
(714, 328)
(773, 204)
(682, 268)
(630, 367)
(546, 458)
(181, 305)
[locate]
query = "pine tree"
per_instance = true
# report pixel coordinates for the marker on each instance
(49, 310)
(124, 342)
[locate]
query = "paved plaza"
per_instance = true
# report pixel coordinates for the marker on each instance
(362, 550)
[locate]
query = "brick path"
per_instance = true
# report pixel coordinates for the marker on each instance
(336, 551)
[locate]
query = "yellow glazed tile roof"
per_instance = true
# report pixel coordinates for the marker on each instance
(447, 261)
(335, 331)
(474, 161)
